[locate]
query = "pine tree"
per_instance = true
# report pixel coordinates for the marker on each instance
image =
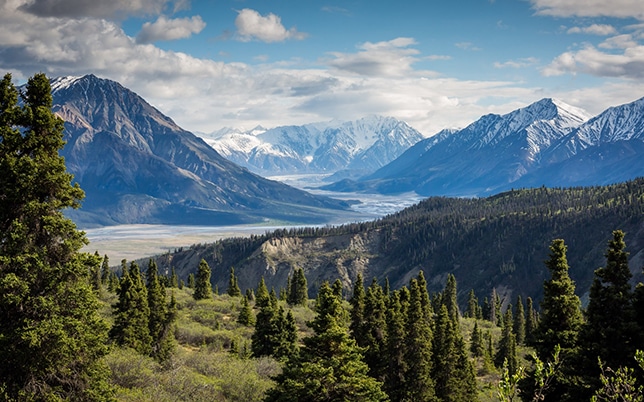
(337, 289)
(472, 306)
(610, 332)
(51, 335)
(233, 287)
(203, 287)
(174, 279)
(330, 366)
(132, 313)
(530, 321)
(374, 336)
(419, 384)
(356, 326)
(519, 322)
(105, 270)
(560, 323)
(275, 333)
(507, 350)
(394, 383)
(95, 273)
(191, 281)
(162, 317)
(261, 296)
(477, 343)
(245, 316)
(449, 298)
(298, 293)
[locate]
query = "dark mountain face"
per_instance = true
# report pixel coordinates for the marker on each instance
(137, 166)
(547, 143)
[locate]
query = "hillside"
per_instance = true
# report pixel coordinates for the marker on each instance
(499, 241)
(137, 166)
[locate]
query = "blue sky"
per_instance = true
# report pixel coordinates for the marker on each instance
(434, 64)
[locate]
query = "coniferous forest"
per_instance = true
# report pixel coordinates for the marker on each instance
(74, 328)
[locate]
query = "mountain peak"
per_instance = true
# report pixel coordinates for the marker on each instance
(555, 109)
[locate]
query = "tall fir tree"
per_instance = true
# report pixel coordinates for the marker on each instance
(519, 322)
(610, 332)
(261, 295)
(374, 337)
(560, 323)
(105, 270)
(507, 349)
(531, 321)
(132, 313)
(330, 366)
(162, 317)
(233, 287)
(298, 294)
(472, 310)
(477, 342)
(203, 287)
(450, 297)
(419, 384)
(245, 316)
(394, 383)
(357, 301)
(275, 334)
(52, 337)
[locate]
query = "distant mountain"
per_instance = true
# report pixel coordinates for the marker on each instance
(546, 143)
(354, 147)
(137, 166)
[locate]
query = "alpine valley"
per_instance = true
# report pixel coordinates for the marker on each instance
(137, 166)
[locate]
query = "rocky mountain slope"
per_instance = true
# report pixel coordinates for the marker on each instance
(546, 143)
(353, 148)
(495, 242)
(137, 166)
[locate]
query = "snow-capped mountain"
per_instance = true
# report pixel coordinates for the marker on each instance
(494, 153)
(137, 166)
(362, 145)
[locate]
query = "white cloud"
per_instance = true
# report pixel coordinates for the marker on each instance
(170, 29)
(590, 8)
(520, 63)
(390, 58)
(98, 8)
(467, 46)
(595, 29)
(251, 25)
(629, 64)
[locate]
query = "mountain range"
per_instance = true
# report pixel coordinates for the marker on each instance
(137, 166)
(547, 143)
(348, 149)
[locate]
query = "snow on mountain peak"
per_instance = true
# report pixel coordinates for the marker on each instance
(63, 82)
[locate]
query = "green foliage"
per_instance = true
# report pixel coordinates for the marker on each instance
(473, 309)
(519, 322)
(162, 316)
(51, 335)
(245, 316)
(203, 288)
(297, 289)
(261, 295)
(233, 287)
(330, 366)
(275, 332)
(620, 384)
(506, 354)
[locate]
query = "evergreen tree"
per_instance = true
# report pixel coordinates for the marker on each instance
(95, 272)
(203, 287)
(560, 323)
(51, 334)
(275, 334)
(477, 343)
(162, 316)
(486, 310)
(449, 298)
(105, 270)
(419, 384)
(174, 279)
(472, 306)
(337, 289)
(507, 350)
(374, 337)
(261, 296)
(191, 281)
(245, 316)
(519, 322)
(233, 287)
(298, 290)
(357, 301)
(330, 366)
(453, 374)
(394, 383)
(610, 332)
(132, 313)
(530, 321)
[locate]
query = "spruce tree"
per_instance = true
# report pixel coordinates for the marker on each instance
(245, 316)
(51, 334)
(419, 384)
(519, 322)
(450, 297)
(610, 332)
(191, 281)
(132, 313)
(233, 287)
(337, 288)
(560, 323)
(203, 287)
(174, 279)
(374, 337)
(357, 302)
(162, 316)
(261, 295)
(330, 366)
(473, 308)
(275, 333)
(105, 270)
(530, 321)
(298, 290)
(507, 350)
(477, 343)
(394, 382)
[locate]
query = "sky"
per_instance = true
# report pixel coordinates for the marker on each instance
(210, 64)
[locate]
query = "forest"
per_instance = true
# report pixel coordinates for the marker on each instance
(74, 329)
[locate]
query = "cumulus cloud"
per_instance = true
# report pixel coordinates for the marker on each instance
(252, 25)
(590, 8)
(595, 29)
(98, 8)
(170, 29)
(590, 60)
(520, 63)
(389, 58)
